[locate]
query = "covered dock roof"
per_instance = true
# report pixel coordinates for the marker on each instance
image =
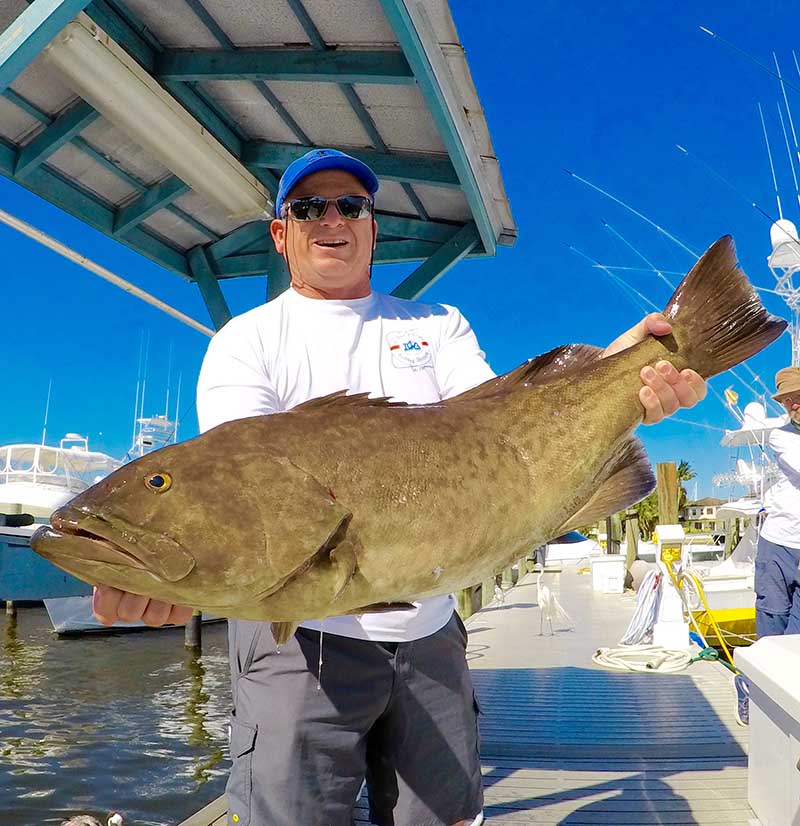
(166, 124)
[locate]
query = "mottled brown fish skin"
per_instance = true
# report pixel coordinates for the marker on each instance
(344, 503)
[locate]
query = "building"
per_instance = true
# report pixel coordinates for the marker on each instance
(701, 516)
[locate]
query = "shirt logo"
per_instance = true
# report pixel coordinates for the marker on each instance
(409, 349)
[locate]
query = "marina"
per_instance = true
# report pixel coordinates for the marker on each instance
(164, 129)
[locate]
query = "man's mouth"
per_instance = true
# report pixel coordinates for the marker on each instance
(331, 243)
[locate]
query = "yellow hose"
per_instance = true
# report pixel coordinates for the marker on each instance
(714, 625)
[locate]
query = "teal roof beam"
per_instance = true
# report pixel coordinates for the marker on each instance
(30, 32)
(203, 273)
(402, 227)
(101, 159)
(409, 40)
(387, 67)
(240, 238)
(447, 256)
(134, 42)
(397, 252)
(54, 187)
(278, 277)
(217, 31)
(61, 131)
(404, 167)
(156, 197)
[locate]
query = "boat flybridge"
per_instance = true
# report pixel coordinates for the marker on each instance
(37, 479)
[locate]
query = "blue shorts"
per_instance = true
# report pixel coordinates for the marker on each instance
(403, 715)
(777, 583)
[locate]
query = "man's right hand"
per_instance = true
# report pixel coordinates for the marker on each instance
(111, 605)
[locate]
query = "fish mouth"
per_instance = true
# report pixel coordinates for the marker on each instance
(75, 536)
(67, 537)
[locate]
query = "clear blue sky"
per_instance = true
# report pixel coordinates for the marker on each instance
(603, 89)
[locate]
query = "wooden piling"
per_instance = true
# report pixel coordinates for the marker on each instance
(193, 634)
(667, 478)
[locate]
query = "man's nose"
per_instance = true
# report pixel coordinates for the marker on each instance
(332, 216)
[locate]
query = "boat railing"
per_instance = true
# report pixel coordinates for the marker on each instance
(64, 468)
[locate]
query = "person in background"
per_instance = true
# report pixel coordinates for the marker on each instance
(394, 702)
(777, 567)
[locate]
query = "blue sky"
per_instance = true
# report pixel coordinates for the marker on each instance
(603, 89)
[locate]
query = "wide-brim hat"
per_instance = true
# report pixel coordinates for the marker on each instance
(316, 161)
(787, 382)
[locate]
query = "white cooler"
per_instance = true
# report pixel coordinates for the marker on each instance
(772, 667)
(608, 573)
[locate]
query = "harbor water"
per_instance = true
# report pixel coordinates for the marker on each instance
(127, 722)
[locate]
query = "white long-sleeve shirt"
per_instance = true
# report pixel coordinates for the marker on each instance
(782, 500)
(295, 348)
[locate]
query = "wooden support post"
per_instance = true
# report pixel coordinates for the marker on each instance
(475, 598)
(631, 540)
(11, 609)
(465, 603)
(487, 591)
(193, 635)
(667, 476)
(609, 536)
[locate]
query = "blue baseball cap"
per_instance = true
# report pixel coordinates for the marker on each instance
(315, 161)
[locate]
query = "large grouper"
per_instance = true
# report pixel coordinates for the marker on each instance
(346, 504)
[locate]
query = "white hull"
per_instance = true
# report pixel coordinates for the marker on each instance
(73, 615)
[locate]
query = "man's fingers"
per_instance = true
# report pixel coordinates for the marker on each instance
(132, 607)
(105, 603)
(653, 411)
(156, 613)
(180, 615)
(654, 324)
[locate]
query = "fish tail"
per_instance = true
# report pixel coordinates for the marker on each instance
(717, 318)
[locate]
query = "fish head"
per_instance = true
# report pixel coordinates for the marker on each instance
(204, 523)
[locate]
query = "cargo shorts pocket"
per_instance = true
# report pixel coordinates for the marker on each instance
(240, 782)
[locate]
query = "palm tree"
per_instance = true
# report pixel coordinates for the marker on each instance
(685, 474)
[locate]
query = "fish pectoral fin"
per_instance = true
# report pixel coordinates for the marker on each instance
(383, 607)
(627, 480)
(551, 365)
(284, 631)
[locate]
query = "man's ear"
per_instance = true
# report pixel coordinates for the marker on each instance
(277, 229)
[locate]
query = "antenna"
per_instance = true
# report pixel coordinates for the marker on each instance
(177, 409)
(46, 410)
(138, 387)
(169, 377)
(771, 165)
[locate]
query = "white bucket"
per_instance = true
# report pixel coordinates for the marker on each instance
(608, 573)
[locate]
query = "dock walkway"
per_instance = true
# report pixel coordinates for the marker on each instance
(565, 742)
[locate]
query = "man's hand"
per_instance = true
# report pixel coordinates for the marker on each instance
(665, 389)
(111, 605)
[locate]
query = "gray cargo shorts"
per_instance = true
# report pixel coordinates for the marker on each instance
(401, 715)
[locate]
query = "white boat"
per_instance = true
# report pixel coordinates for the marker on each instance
(37, 479)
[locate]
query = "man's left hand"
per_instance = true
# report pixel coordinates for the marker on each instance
(665, 389)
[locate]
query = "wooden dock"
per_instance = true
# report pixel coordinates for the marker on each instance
(566, 742)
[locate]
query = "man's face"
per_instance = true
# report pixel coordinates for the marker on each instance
(792, 405)
(328, 258)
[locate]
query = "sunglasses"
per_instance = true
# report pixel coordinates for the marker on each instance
(313, 207)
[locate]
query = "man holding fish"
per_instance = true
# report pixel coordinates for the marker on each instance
(384, 695)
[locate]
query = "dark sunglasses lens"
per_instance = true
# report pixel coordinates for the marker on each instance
(308, 209)
(354, 207)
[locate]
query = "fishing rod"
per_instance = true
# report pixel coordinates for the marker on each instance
(748, 56)
(634, 211)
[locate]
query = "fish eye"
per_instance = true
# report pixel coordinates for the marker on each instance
(158, 482)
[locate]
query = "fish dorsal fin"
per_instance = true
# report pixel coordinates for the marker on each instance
(341, 399)
(555, 363)
(626, 481)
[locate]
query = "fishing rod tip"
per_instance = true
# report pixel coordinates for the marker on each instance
(678, 146)
(707, 31)
(568, 171)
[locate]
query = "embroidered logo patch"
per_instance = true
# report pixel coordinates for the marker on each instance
(409, 349)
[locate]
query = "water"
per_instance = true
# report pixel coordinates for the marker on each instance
(131, 722)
